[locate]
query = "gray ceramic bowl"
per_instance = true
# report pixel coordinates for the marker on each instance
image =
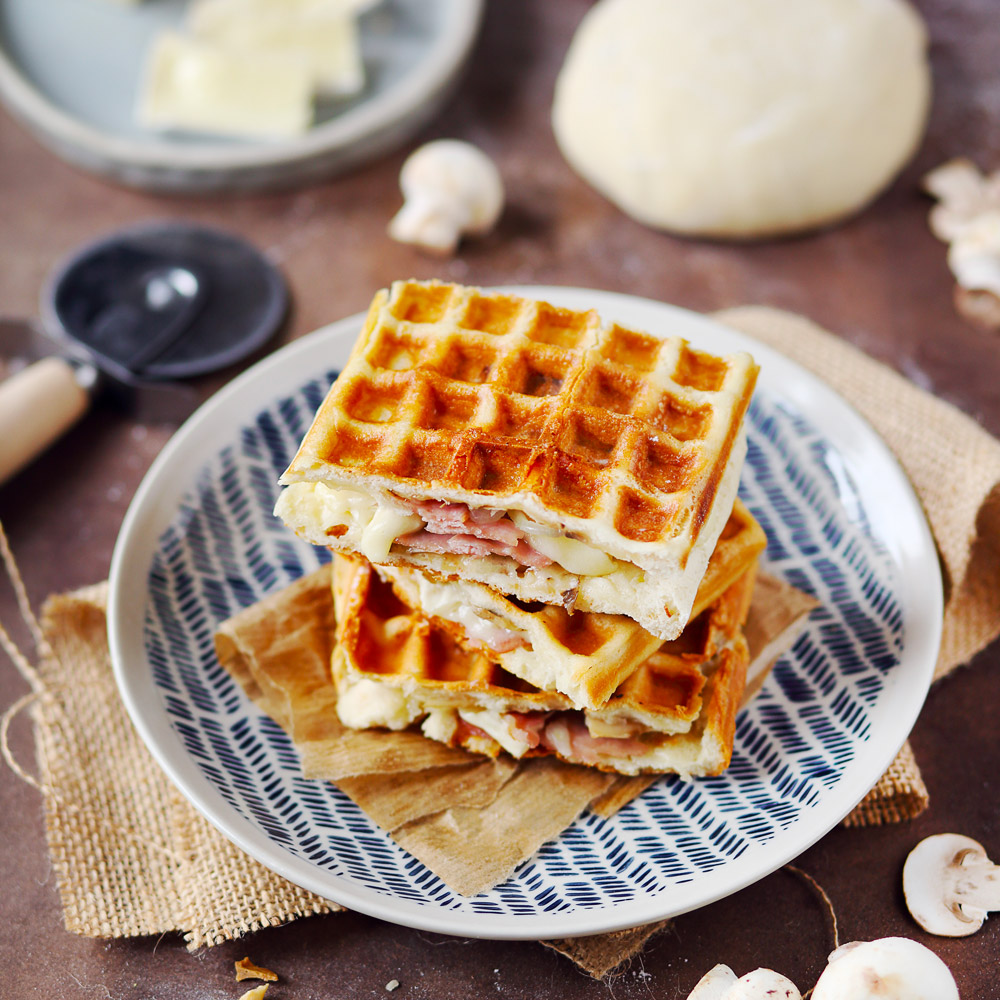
(70, 70)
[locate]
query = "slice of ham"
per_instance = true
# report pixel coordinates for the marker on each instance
(505, 643)
(530, 726)
(563, 733)
(496, 640)
(566, 734)
(466, 730)
(456, 529)
(424, 540)
(442, 518)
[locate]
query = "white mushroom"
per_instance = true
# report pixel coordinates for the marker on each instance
(963, 194)
(763, 984)
(887, 969)
(450, 189)
(715, 984)
(967, 217)
(720, 983)
(974, 258)
(950, 885)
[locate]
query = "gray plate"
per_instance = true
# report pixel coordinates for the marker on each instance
(70, 70)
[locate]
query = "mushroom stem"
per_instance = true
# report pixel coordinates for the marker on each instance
(950, 884)
(975, 882)
(451, 189)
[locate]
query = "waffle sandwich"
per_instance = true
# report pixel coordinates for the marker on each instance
(584, 656)
(394, 669)
(536, 450)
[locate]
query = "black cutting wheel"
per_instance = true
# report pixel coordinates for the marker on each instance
(166, 300)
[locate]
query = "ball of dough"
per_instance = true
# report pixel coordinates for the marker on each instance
(743, 118)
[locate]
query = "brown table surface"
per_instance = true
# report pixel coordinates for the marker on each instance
(879, 280)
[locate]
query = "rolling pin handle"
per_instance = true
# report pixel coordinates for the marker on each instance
(38, 405)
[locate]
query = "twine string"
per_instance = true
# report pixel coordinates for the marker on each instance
(8, 754)
(827, 905)
(23, 664)
(24, 606)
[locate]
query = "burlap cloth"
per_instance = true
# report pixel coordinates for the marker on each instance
(133, 858)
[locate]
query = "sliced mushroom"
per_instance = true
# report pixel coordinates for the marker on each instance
(974, 258)
(887, 969)
(720, 983)
(963, 194)
(967, 217)
(450, 189)
(714, 985)
(950, 885)
(763, 984)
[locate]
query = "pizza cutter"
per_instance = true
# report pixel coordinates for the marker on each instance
(128, 317)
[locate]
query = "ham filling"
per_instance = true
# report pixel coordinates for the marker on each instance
(456, 529)
(497, 640)
(566, 733)
(464, 731)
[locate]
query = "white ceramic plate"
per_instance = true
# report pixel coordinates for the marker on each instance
(199, 542)
(71, 70)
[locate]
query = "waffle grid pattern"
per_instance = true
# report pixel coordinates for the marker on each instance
(383, 639)
(496, 395)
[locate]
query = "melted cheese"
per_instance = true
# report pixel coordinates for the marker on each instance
(572, 555)
(501, 727)
(322, 507)
(440, 724)
(383, 529)
(316, 504)
(364, 703)
(454, 603)
(614, 728)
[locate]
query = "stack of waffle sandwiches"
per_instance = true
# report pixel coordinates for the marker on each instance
(538, 548)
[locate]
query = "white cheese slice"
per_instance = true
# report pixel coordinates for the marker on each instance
(320, 38)
(216, 15)
(203, 88)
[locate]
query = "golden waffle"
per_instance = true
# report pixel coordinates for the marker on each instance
(626, 442)
(393, 668)
(585, 656)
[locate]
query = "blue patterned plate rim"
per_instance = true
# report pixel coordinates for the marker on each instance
(891, 512)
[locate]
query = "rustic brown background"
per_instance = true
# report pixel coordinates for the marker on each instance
(880, 281)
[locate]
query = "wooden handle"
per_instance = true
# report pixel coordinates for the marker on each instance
(37, 406)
